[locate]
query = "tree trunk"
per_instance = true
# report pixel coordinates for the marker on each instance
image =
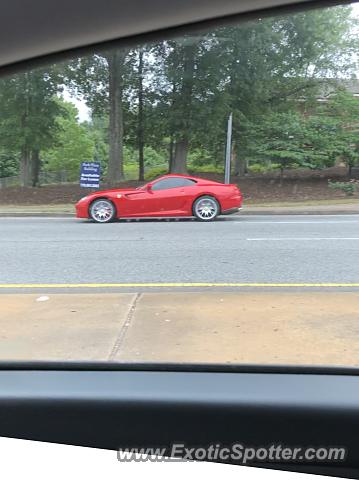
(25, 159)
(35, 167)
(25, 167)
(281, 173)
(141, 126)
(171, 148)
(240, 163)
(236, 165)
(116, 62)
(179, 164)
(180, 157)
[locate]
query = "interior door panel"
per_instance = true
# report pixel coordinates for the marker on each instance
(134, 406)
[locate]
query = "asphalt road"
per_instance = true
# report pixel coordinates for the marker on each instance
(255, 249)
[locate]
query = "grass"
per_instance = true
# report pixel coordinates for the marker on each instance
(39, 209)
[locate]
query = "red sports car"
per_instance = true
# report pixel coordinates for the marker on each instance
(167, 196)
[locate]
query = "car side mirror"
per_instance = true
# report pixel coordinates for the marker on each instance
(149, 186)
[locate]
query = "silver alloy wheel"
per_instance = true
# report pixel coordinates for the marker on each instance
(102, 211)
(206, 208)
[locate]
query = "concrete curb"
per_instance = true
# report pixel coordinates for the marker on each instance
(36, 214)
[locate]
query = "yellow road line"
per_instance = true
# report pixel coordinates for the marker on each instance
(191, 284)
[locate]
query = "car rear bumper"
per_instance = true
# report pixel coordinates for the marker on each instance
(231, 204)
(229, 211)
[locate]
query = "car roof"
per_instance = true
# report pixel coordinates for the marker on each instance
(190, 177)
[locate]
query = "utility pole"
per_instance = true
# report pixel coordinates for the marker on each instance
(227, 170)
(140, 126)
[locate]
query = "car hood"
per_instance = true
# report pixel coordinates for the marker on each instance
(107, 193)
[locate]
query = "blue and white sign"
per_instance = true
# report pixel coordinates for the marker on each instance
(90, 174)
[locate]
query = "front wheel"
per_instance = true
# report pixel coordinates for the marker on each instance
(206, 208)
(102, 211)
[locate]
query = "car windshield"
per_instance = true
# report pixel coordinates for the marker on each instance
(245, 248)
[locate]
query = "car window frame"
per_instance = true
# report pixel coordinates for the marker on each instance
(172, 188)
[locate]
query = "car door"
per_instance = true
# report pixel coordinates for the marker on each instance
(169, 196)
(136, 203)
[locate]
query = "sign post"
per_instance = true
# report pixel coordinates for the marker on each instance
(227, 170)
(90, 174)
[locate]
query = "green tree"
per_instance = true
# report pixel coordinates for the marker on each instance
(333, 130)
(254, 70)
(270, 64)
(29, 109)
(9, 163)
(100, 80)
(74, 144)
(317, 140)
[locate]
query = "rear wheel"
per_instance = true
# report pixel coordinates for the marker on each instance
(102, 210)
(206, 208)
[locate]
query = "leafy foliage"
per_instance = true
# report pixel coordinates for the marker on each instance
(349, 188)
(28, 121)
(74, 144)
(9, 164)
(165, 105)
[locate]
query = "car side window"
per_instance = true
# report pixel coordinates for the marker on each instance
(173, 182)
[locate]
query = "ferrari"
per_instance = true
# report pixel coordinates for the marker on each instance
(167, 196)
